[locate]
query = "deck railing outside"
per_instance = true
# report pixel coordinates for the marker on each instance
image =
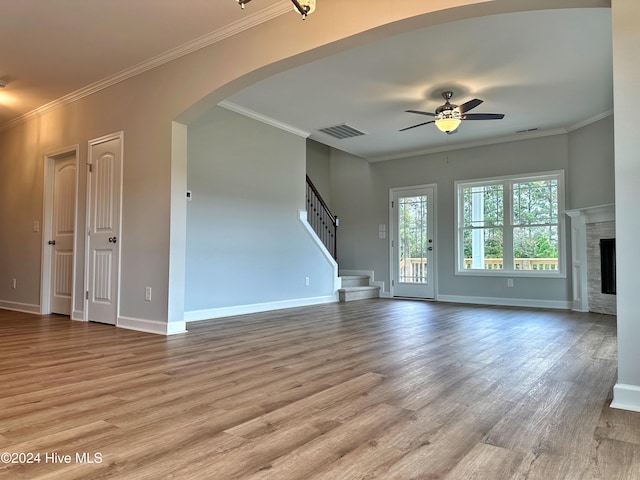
(413, 269)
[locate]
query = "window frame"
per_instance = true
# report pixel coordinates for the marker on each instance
(508, 225)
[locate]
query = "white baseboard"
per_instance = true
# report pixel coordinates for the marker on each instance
(507, 302)
(626, 397)
(77, 315)
(210, 313)
(20, 307)
(152, 326)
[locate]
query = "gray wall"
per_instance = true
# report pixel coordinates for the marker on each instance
(318, 168)
(591, 179)
(360, 192)
(245, 244)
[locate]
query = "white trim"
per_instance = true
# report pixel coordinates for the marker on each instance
(589, 121)
(507, 181)
(152, 326)
(219, 312)
(479, 143)
(47, 226)
(227, 31)
(596, 214)
(263, 118)
(302, 216)
(626, 397)
(20, 307)
(211, 313)
(78, 316)
(512, 273)
(579, 220)
(507, 302)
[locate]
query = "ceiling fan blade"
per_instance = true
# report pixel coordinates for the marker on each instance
(421, 113)
(466, 106)
(414, 126)
(484, 116)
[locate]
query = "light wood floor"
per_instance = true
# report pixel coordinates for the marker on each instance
(375, 389)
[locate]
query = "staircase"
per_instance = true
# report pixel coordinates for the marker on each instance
(357, 287)
(325, 225)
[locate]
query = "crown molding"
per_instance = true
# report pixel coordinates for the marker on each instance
(589, 121)
(227, 31)
(479, 143)
(263, 118)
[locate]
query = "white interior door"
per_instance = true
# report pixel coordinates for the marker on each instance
(413, 242)
(62, 234)
(105, 187)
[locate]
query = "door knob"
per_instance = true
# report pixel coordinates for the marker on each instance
(51, 242)
(113, 239)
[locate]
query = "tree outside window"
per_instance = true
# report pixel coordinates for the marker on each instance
(510, 224)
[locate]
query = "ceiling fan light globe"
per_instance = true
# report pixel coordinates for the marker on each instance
(448, 124)
(308, 5)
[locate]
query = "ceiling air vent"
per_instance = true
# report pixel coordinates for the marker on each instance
(342, 131)
(527, 130)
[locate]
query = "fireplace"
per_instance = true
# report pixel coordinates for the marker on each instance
(593, 259)
(608, 265)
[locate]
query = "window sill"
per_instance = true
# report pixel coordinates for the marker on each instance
(512, 273)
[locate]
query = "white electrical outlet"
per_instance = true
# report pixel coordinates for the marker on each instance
(147, 294)
(509, 282)
(14, 283)
(306, 281)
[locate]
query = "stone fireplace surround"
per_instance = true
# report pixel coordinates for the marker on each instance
(588, 226)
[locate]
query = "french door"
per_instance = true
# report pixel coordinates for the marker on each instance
(413, 242)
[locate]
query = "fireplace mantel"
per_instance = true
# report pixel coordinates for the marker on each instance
(579, 220)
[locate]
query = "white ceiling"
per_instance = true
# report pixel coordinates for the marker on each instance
(549, 70)
(52, 48)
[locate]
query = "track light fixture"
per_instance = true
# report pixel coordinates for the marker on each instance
(303, 7)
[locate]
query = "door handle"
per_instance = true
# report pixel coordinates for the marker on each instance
(113, 239)
(51, 242)
(429, 248)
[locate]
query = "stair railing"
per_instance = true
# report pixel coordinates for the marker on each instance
(323, 222)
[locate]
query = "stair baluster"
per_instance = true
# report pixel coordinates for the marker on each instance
(323, 222)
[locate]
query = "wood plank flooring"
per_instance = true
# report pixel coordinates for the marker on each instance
(374, 389)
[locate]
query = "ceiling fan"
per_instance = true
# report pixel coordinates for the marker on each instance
(303, 7)
(449, 116)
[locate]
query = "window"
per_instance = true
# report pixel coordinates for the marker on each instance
(511, 225)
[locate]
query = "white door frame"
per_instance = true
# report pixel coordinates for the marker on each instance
(47, 228)
(91, 143)
(432, 212)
